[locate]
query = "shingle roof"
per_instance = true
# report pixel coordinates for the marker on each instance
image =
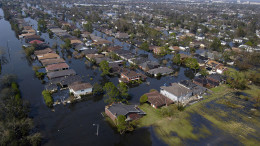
(122, 109)
(80, 86)
(59, 66)
(158, 99)
(52, 61)
(62, 73)
(176, 90)
(161, 70)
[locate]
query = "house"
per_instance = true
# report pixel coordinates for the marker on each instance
(196, 89)
(212, 64)
(158, 100)
(48, 56)
(156, 49)
(217, 78)
(113, 48)
(62, 73)
(70, 80)
(174, 48)
(221, 68)
(148, 65)
(81, 47)
(201, 59)
(160, 71)
(129, 75)
(57, 67)
(94, 56)
(36, 42)
(204, 82)
(176, 92)
(51, 87)
(131, 112)
(44, 51)
(52, 61)
(121, 35)
(79, 89)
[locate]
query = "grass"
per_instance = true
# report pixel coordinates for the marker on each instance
(230, 120)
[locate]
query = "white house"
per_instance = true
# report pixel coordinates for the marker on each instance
(176, 92)
(80, 89)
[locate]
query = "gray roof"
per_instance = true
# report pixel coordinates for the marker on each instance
(161, 70)
(177, 90)
(123, 109)
(62, 73)
(149, 64)
(51, 87)
(70, 79)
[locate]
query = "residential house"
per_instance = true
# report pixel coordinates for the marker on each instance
(47, 62)
(121, 35)
(214, 65)
(204, 82)
(197, 90)
(176, 92)
(156, 49)
(79, 89)
(158, 100)
(160, 71)
(81, 47)
(217, 78)
(148, 65)
(129, 75)
(57, 67)
(51, 87)
(62, 73)
(44, 51)
(201, 59)
(48, 56)
(131, 112)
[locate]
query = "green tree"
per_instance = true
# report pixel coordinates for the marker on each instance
(177, 59)
(143, 99)
(121, 124)
(47, 98)
(97, 89)
(216, 45)
(104, 66)
(112, 93)
(204, 72)
(144, 46)
(88, 27)
(192, 63)
(123, 89)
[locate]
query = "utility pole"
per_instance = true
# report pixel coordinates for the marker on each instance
(97, 128)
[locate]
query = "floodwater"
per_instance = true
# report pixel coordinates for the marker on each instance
(70, 124)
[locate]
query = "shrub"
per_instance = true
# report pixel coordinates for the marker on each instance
(47, 98)
(143, 99)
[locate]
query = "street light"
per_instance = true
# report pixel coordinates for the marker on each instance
(97, 127)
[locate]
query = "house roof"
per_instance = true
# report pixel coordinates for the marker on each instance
(161, 70)
(61, 73)
(70, 80)
(176, 89)
(157, 99)
(213, 63)
(45, 51)
(48, 56)
(80, 86)
(130, 73)
(36, 42)
(52, 61)
(216, 77)
(51, 87)
(58, 66)
(123, 109)
(149, 65)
